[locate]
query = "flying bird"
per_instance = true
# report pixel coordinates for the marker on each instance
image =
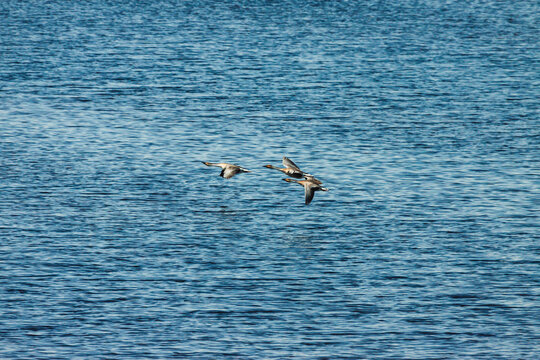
(309, 188)
(292, 170)
(227, 170)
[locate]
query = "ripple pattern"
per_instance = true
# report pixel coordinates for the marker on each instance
(420, 116)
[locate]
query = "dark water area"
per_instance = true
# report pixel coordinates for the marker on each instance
(421, 117)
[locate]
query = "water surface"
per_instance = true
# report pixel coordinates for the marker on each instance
(421, 117)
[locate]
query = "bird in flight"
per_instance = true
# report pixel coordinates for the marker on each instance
(227, 170)
(292, 170)
(310, 187)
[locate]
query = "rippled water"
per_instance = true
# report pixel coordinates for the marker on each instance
(421, 117)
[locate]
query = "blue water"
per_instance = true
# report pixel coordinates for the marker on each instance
(421, 117)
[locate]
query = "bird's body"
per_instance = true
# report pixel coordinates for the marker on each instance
(310, 187)
(292, 170)
(227, 170)
(312, 178)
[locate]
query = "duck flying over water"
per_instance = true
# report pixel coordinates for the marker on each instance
(309, 188)
(227, 170)
(312, 178)
(290, 169)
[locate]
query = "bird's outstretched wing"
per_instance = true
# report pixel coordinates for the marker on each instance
(288, 163)
(309, 193)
